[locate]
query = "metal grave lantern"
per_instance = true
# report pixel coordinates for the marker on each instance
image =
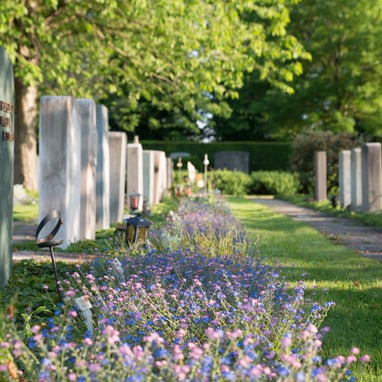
(51, 222)
(137, 229)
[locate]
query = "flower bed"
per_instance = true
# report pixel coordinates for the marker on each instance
(180, 315)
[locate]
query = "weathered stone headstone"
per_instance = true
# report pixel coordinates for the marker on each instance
(60, 164)
(148, 177)
(170, 172)
(320, 176)
(356, 179)
(117, 152)
(6, 165)
(371, 177)
(135, 172)
(232, 160)
(102, 169)
(87, 116)
(344, 178)
(160, 174)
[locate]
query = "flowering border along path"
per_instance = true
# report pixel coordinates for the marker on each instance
(198, 306)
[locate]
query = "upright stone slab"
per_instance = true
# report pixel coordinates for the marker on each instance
(344, 178)
(87, 114)
(135, 172)
(170, 172)
(232, 160)
(60, 164)
(6, 165)
(117, 152)
(371, 177)
(148, 177)
(102, 169)
(356, 179)
(320, 176)
(160, 174)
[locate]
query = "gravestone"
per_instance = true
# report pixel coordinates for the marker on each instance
(117, 152)
(170, 172)
(6, 165)
(344, 178)
(371, 177)
(148, 177)
(320, 176)
(135, 172)
(87, 116)
(160, 175)
(356, 179)
(102, 169)
(232, 160)
(60, 164)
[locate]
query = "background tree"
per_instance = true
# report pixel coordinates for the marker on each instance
(182, 57)
(340, 88)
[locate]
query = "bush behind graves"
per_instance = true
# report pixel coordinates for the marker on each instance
(234, 183)
(274, 183)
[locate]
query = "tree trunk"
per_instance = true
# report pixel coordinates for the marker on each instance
(25, 161)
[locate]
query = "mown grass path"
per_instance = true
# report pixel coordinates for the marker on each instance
(331, 273)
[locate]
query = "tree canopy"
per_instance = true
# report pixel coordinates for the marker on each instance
(340, 88)
(184, 58)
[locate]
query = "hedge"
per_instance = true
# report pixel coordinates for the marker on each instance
(265, 156)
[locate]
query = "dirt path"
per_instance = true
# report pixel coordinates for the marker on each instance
(366, 241)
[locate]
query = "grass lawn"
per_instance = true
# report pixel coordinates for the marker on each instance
(331, 273)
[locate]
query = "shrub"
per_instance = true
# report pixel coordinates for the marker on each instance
(234, 183)
(274, 183)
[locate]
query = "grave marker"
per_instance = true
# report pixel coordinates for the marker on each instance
(320, 176)
(232, 160)
(344, 178)
(117, 152)
(60, 164)
(135, 171)
(6, 165)
(356, 179)
(148, 177)
(87, 115)
(371, 177)
(102, 169)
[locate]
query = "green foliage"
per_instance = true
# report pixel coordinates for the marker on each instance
(306, 144)
(176, 58)
(274, 183)
(339, 89)
(234, 183)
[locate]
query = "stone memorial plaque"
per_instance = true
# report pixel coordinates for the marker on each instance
(6, 165)
(232, 160)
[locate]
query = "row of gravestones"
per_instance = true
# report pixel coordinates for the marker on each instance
(86, 172)
(360, 178)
